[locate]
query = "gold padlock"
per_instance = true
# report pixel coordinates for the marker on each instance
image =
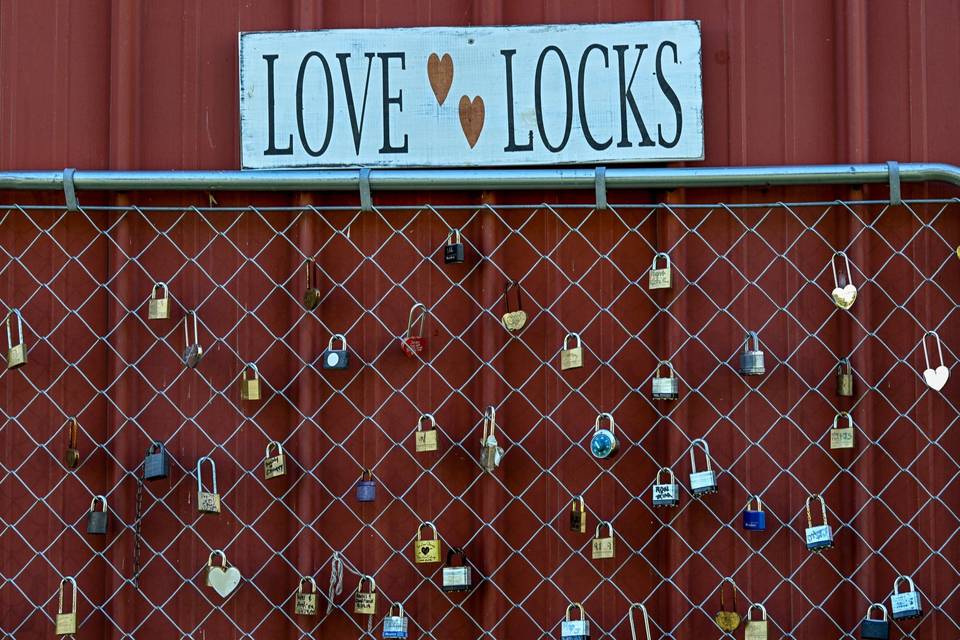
(250, 388)
(311, 295)
(603, 548)
(844, 378)
(660, 278)
(513, 320)
(71, 457)
(646, 621)
(578, 515)
(305, 604)
(571, 357)
(728, 620)
(207, 501)
(365, 602)
(67, 621)
(426, 439)
(756, 629)
(426, 550)
(842, 437)
(159, 307)
(274, 465)
(16, 353)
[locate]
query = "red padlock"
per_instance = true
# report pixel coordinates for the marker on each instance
(413, 342)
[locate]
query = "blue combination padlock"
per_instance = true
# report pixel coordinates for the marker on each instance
(754, 520)
(366, 487)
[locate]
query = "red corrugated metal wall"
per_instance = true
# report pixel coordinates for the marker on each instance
(126, 86)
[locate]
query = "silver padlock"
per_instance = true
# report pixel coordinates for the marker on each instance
(751, 360)
(818, 537)
(395, 623)
(666, 494)
(646, 621)
(575, 629)
(456, 578)
(192, 351)
(701, 482)
(907, 604)
(665, 388)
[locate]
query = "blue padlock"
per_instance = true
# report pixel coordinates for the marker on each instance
(366, 487)
(754, 520)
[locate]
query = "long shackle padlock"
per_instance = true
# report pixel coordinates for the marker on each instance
(513, 320)
(311, 295)
(937, 377)
(16, 353)
(192, 352)
(646, 622)
(844, 293)
(701, 482)
(844, 378)
(453, 250)
(413, 341)
(66, 623)
(578, 515)
(207, 501)
(71, 457)
(728, 620)
(818, 537)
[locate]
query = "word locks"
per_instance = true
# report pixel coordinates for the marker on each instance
(571, 357)
(873, 629)
(97, 520)
(156, 464)
(412, 343)
(571, 629)
(513, 320)
(192, 352)
(16, 353)
(365, 602)
(905, 605)
(756, 629)
(818, 537)
(603, 548)
(456, 577)
(491, 453)
(754, 520)
(701, 482)
(305, 603)
(207, 501)
(274, 464)
(646, 621)
(223, 579)
(71, 456)
(366, 487)
(336, 358)
(426, 439)
(426, 550)
(452, 253)
(666, 388)
(578, 515)
(935, 378)
(395, 622)
(311, 295)
(666, 494)
(728, 620)
(158, 308)
(604, 443)
(250, 388)
(842, 437)
(660, 278)
(844, 293)
(751, 360)
(844, 378)
(66, 620)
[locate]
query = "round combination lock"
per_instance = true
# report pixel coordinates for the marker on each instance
(603, 444)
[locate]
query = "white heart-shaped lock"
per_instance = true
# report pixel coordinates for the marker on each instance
(936, 378)
(845, 297)
(223, 581)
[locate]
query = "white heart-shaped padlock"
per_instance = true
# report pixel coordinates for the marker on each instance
(223, 581)
(936, 378)
(845, 297)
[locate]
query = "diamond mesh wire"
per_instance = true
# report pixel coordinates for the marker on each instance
(82, 280)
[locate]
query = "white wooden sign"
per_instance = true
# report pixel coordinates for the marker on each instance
(548, 94)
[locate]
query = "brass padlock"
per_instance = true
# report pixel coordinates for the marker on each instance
(71, 456)
(844, 293)
(728, 620)
(756, 629)
(192, 352)
(513, 320)
(571, 357)
(274, 465)
(425, 551)
(426, 439)
(311, 295)
(578, 515)
(603, 547)
(305, 604)
(250, 388)
(365, 602)
(66, 620)
(207, 501)
(159, 307)
(844, 378)
(646, 621)
(223, 579)
(491, 453)
(842, 437)
(413, 341)
(16, 353)
(660, 278)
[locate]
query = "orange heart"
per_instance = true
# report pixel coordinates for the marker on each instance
(440, 72)
(471, 118)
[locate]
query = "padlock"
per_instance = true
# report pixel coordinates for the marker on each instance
(751, 360)
(395, 622)
(605, 547)
(158, 308)
(97, 520)
(425, 551)
(513, 320)
(818, 537)
(571, 629)
(223, 579)
(844, 293)
(844, 378)
(935, 378)
(728, 620)
(71, 457)
(666, 494)
(873, 629)
(365, 602)
(646, 621)
(413, 341)
(274, 465)
(604, 442)
(207, 501)
(426, 439)
(578, 515)
(571, 357)
(842, 437)
(250, 388)
(16, 353)
(305, 603)
(311, 295)
(754, 519)
(666, 388)
(660, 278)
(366, 487)
(701, 482)
(453, 251)
(192, 352)
(66, 620)
(456, 578)
(755, 629)
(907, 604)
(156, 465)
(491, 453)
(336, 358)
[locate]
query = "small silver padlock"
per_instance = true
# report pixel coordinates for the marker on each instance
(456, 578)
(571, 629)
(666, 494)
(701, 482)
(818, 537)
(336, 358)
(16, 353)
(665, 388)
(844, 378)
(751, 360)
(907, 604)
(97, 520)
(207, 501)
(395, 623)
(192, 352)
(660, 278)
(159, 307)
(366, 487)
(571, 357)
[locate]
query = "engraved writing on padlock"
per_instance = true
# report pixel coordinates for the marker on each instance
(667, 387)
(754, 519)
(305, 602)
(603, 547)
(873, 629)
(207, 501)
(395, 622)
(97, 519)
(665, 494)
(366, 487)
(456, 578)
(756, 629)
(71, 456)
(250, 387)
(578, 515)
(334, 358)
(66, 623)
(571, 357)
(905, 604)
(818, 537)
(365, 602)
(453, 250)
(424, 550)
(311, 295)
(841, 437)
(156, 464)
(491, 453)
(728, 620)
(575, 629)
(844, 378)
(16, 351)
(646, 621)
(274, 461)
(604, 443)
(516, 319)
(192, 351)
(426, 439)
(413, 341)
(660, 278)
(844, 293)
(701, 482)
(751, 359)
(935, 378)
(158, 308)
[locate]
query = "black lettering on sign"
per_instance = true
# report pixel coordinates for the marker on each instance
(511, 138)
(388, 100)
(599, 146)
(628, 99)
(272, 149)
(538, 98)
(348, 91)
(329, 85)
(670, 94)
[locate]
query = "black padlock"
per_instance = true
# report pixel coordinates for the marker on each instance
(873, 629)
(156, 466)
(336, 358)
(97, 520)
(453, 251)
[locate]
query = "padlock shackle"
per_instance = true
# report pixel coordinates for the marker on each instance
(456, 552)
(898, 580)
(163, 287)
(701, 443)
(756, 342)
(759, 504)
(578, 500)
(308, 265)
(416, 320)
(73, 432)
(368, 578)
(833, 267)
(337, 336)
(453, 236)
(155, 447)
(923, 341)
(253, 368)
(844, 362)
(823, 508)
(15, 313)
(186, 331)
(429, 418)
(213, 474)
(756, 605)
(103, 500)
(733, 588)
(665, 256)
(433, 527)
(609, 418)
(510, 284)
(646, 621)
(843, 414)
(667, 363)
(272, 443)
(574, 605)
(489, 418)
(313, 584)
(877, 605)
(390, 611)
(673, 478)
(366, 474)
(73, 584)
(609, 528)
(566, 339)
(223, 558)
